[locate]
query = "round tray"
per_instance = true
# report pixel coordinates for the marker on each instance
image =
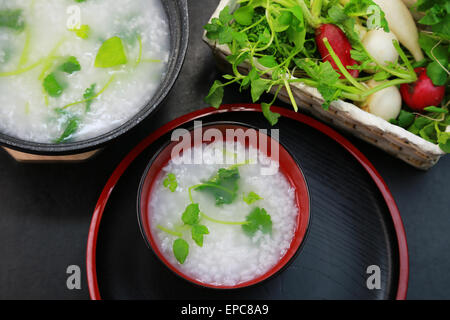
(354, 223)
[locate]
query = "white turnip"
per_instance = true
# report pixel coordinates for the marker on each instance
(401, 23)
(380, 46)
(386, 103)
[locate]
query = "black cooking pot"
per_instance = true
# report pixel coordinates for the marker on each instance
(177, 12)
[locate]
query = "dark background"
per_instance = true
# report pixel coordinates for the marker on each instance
(45, 209)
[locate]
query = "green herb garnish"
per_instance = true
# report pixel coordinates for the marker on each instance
(71, 65)
(191, 215)
(89, 95)
(12, 19)
(71, 127)
(251, 197)
(223, 186)
(111, 54)
(82, 32)
(197, 232)
(258, 219)
(170, 182)
(52, 86)
(180, 250)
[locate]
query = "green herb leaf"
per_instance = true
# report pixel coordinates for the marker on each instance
(437, 74)
(191, 215)
(71, 65)
(283, 21)
(258, 219)
(111, 54)
(71, 128)
(170, 182)
(444, 141)
(272, 117)
(180, 250)
(83, 32)
(215, 95)
(405, 119)
(251, 197)
(225, 16)
(358, 8)
(89, 93)
(244, 15)
(12, 19)
(268, 61)
(258, 88)
(197, 232)
(436, 110)
(223, 186)
(52, 86)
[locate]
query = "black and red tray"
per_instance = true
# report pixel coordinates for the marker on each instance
(354, 224)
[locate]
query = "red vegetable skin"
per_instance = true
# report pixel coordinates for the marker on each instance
(340, 44)
(422, 93)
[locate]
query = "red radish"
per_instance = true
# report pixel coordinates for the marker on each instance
(422, 93)
(340, 45)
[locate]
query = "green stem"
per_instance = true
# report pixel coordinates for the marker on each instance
(341, 67)
(139, 59)
(291, 96)
(221, 221)
(385, 85)
(316, 8)
(405, 59)
(34, 65)
(91, 98)
(171, 232)
(312, 20)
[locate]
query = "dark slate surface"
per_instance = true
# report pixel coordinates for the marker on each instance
(45, 209)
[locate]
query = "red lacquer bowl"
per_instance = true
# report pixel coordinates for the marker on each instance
(287, 166)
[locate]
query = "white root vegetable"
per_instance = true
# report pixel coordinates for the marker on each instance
(386, 103)
(380, 46)
(401, 23)
(416, 14)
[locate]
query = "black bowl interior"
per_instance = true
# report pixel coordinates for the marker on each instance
(177, 13)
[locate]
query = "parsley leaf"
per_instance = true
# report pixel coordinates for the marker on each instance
(12, 19)
(197, 232)
(71, 128)
(223, 186)
(111, 54)
(358, 8)
(215, 95)
(444, 141)
(89, 93)
(251, 197)
(258, 219)
(244, 15)
(272, 117)
(52, 86)
(180, 250)
(83, 32)
(71, 65)
(171, 182)
(191, 215)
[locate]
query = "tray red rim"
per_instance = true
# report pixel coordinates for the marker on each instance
(91, 271)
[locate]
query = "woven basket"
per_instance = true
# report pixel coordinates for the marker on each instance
(393, 139)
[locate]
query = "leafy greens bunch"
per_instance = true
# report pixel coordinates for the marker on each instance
(276, 39)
